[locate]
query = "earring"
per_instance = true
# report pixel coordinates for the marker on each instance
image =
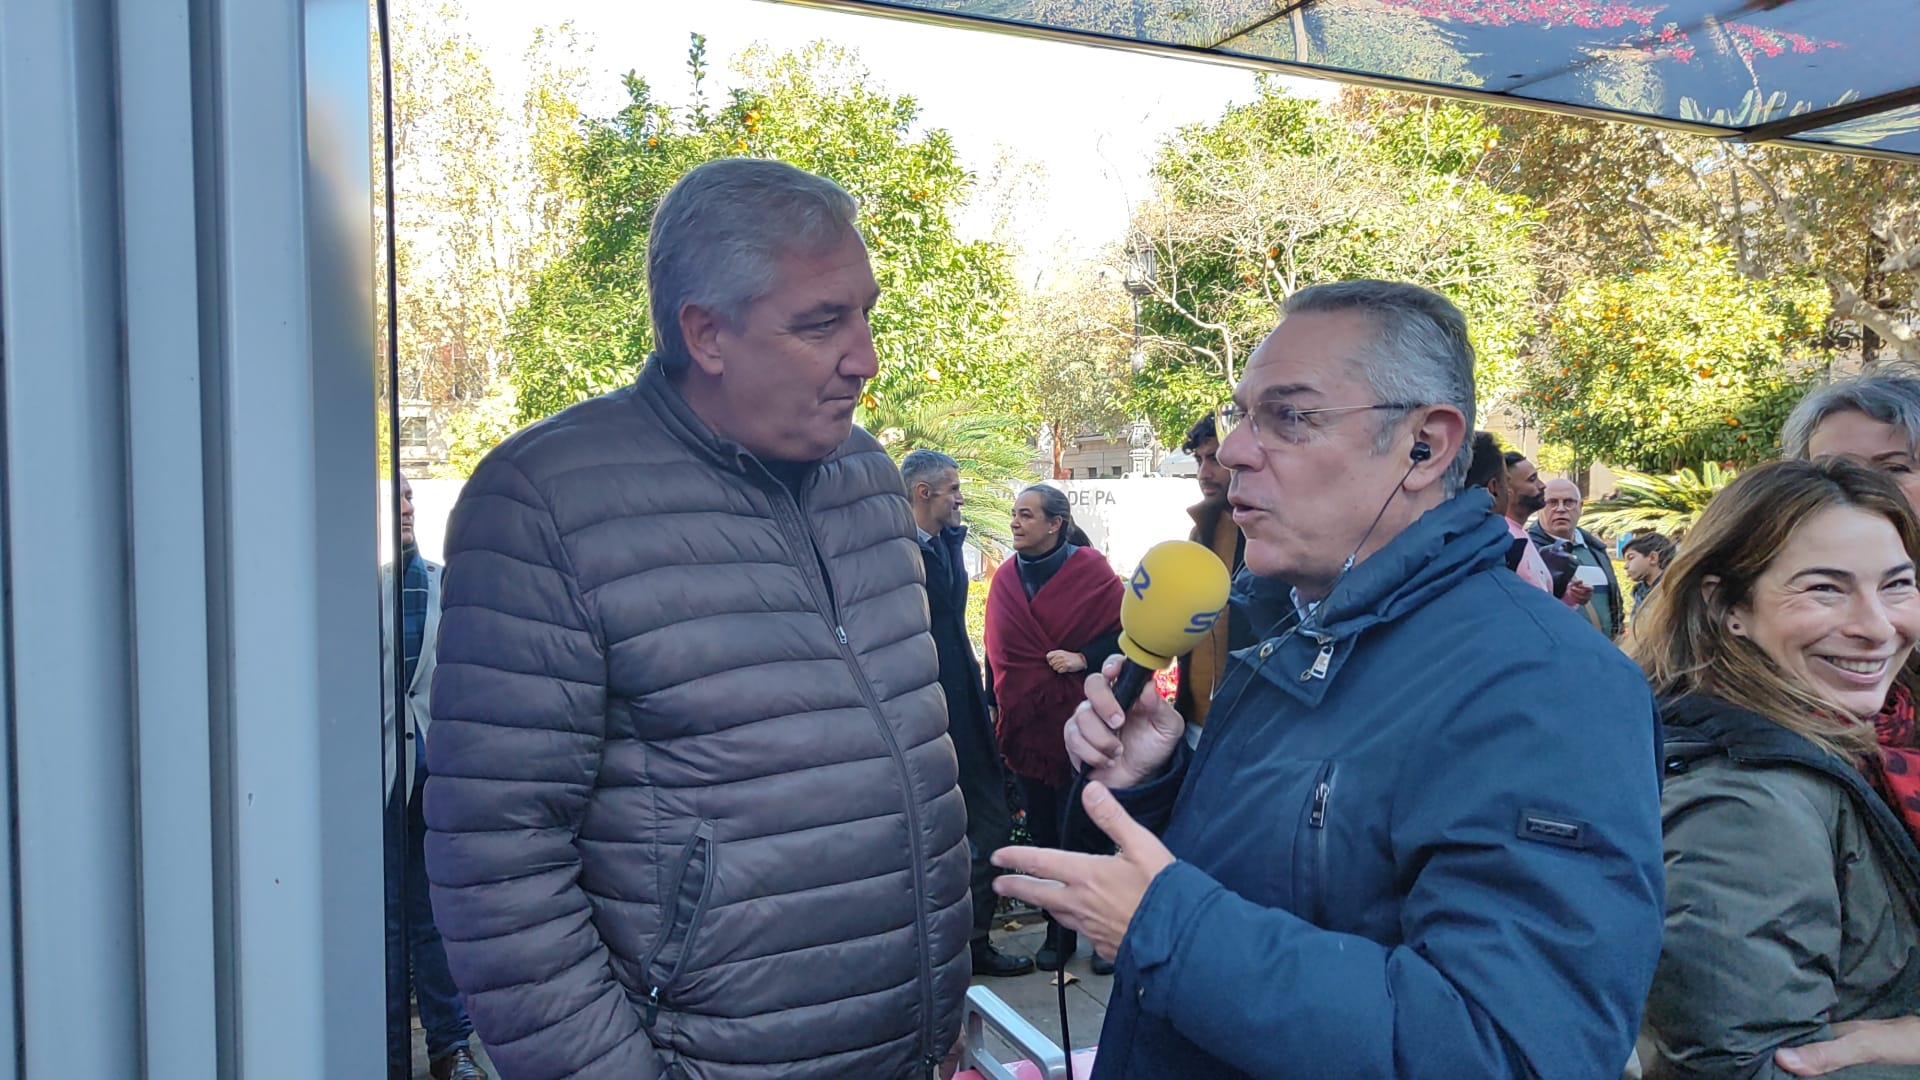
(1734, 626)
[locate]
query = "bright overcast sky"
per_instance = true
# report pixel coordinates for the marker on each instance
(1089, 117)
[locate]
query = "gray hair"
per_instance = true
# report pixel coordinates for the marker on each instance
(718, 234)
(925, 466)
(1890, 399)
(1420, 353)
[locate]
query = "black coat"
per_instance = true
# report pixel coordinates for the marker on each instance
(983, 783)
(1544, 539)
(947, 587)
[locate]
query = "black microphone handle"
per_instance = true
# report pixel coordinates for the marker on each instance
(1133, 679)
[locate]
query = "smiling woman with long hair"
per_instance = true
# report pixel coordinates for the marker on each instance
(1792, 873)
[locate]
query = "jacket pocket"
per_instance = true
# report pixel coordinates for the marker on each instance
(1310, 846)
(689, 890)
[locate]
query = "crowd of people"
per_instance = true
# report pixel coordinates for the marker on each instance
(712, 783)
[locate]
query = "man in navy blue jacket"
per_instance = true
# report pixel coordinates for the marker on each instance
(1386, 858)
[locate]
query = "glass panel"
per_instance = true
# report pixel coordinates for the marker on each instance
(1897, 132)
(401, 845)
(1401, 39)
(1194, 23)
(1725, 63)
(1730, 65)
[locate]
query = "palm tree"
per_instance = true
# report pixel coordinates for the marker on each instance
(994, 456)
(1663, 504)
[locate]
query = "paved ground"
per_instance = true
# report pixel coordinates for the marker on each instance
(1033, 996)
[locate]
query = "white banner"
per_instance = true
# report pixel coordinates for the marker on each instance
(1124, 518)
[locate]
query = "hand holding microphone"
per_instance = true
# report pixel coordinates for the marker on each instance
(1121, 747)
(1119, 736)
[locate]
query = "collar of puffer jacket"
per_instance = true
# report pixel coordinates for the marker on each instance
(654, 393)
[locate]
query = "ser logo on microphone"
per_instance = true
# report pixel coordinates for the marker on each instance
(1200, 623)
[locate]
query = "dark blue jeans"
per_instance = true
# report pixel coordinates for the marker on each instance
(414, 942)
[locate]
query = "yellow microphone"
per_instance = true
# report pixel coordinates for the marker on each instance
(1171, 603)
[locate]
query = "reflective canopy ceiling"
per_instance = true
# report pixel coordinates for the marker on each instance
(1844, 74)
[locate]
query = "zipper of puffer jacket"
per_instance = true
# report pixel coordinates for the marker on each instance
(823, 590)
(702, 844)
(1317, 824)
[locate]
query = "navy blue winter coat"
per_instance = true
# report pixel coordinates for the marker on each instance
(1423, 842)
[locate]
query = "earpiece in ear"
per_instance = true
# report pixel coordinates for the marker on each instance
(1421, 451)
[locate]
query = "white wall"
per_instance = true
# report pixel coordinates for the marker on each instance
(432, 501)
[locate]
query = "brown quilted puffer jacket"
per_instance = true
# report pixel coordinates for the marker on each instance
(692, 806)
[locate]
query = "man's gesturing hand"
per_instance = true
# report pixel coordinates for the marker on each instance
(1121, 750)
(1095, 895)
(1860, 1042)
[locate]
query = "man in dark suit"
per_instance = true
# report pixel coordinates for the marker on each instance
(933, 486)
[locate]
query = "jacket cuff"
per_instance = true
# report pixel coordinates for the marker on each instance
(1169, 910)
(1150, 802)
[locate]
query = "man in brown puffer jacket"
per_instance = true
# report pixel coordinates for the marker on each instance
(693, 807)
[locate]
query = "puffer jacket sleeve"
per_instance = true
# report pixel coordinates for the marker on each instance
(1753, 921)
(519, 718)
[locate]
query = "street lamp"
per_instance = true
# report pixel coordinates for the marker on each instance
(1139, 282)
(1140, 442)
(1140, 266)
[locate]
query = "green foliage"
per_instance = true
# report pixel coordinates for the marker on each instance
(940, 324)
(1173, 396)
(1553, 459)
(1664, 504)
(476, 430)
(1614, 189)
(977, 614)
(990, 448)
(1283, 193)
(1685, 360)
(465, 181)
(1073, 337)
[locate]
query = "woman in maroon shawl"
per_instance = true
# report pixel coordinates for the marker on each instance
(1053, 611)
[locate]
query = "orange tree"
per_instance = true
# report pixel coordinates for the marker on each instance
(1680, 361)
(940, 327)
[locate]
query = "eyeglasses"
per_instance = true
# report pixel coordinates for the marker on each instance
(1273, 420)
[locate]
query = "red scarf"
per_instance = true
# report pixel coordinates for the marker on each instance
(1898, 776)
(1080, 602)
